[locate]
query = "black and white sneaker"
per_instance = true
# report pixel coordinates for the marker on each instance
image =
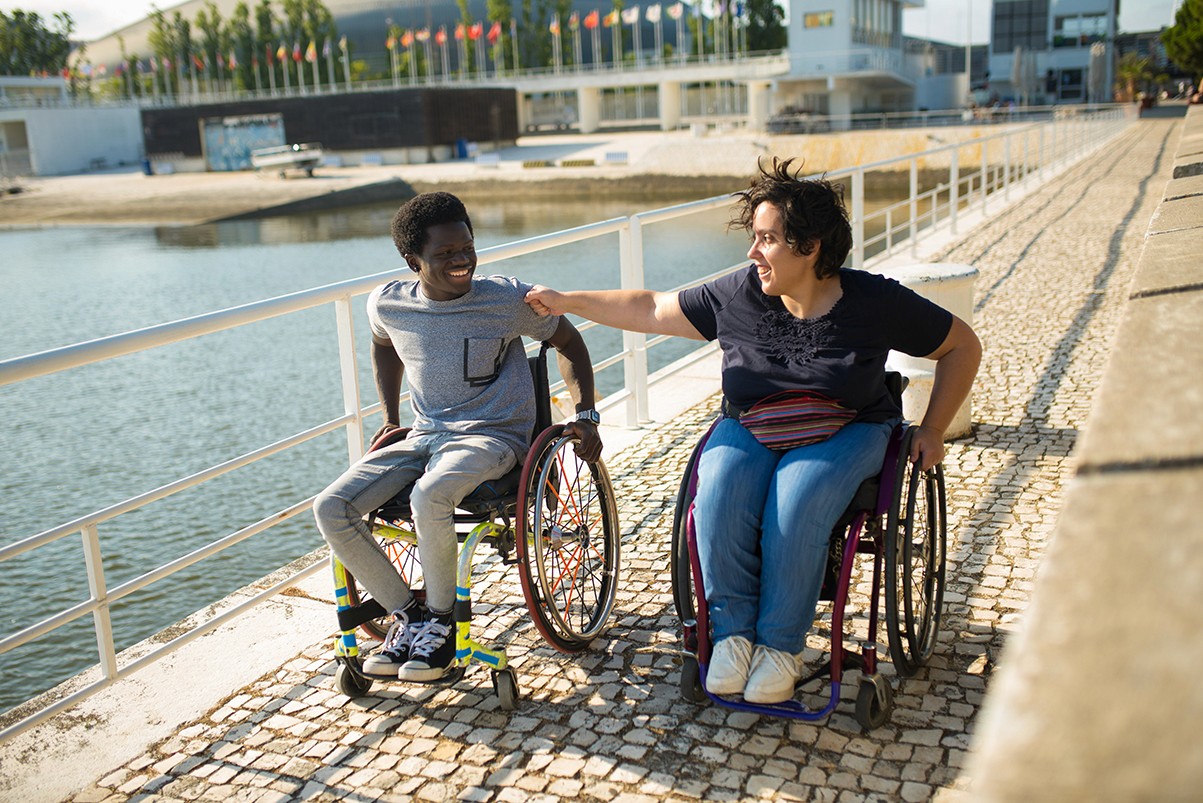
(432, 652)
(395, 650)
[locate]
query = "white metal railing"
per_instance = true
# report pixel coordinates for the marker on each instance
(1026, 155)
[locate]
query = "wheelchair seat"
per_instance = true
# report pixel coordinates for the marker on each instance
(492, 498)
(488, 499)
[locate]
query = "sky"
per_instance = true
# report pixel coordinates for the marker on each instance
(945, 20)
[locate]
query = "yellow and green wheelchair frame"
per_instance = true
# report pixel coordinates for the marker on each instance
(554, 517)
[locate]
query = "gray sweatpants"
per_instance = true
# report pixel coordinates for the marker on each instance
(446, 467)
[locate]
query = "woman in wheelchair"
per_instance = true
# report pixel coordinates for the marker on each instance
(458, 340)
(806, 412)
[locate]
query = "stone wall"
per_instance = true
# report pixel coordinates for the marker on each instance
(1098, 697)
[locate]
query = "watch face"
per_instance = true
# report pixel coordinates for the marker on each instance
(589, 415)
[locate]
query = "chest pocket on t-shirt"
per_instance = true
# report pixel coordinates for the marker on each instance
(482, 360)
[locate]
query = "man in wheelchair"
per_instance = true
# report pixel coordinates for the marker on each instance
(457, 338)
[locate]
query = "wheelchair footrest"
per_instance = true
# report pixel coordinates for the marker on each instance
(351, 618)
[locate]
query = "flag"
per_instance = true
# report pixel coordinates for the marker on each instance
(494, 33)
(311, 51)
(652, 14)
(296, 50)
(592, 19)
(391, 42)
(407, 39)
(630, 15)
(460, 32)
(676, 11)
(574, 21)
(440, 36)
(476, 31)
(166, 63)
(326, 48)
(554, 27)
(422, 35)
(608, 21)
(342, 43)
(200, 65)
(233, 61)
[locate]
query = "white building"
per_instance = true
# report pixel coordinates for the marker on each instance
(847, 56)
(1053, 51)
(43, 134)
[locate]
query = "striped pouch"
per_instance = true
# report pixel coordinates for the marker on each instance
(791, 418)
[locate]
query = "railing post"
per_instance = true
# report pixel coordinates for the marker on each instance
(101, 617)
(954, 190)
(858, 218)
(986, 182)
(634, 363)
(1007, 166)
(352, 404)
(1040, 157)
(914, 201)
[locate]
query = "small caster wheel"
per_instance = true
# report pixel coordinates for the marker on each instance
(691, 681)
(874, 702)
(350, 682)
(505, 683)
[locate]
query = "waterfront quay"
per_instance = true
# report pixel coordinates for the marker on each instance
(1057, 272)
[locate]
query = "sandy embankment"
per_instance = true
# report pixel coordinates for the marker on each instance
(655, 164)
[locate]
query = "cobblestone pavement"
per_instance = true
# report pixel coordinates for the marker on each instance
(610, 724)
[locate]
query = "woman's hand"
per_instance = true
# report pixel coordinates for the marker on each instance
(545, 301)
(927, 447)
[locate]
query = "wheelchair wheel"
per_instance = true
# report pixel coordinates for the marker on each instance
(915, 542)
(567, 542)
(350, 683)
(404, 556)
(682, 575)
(874, 702)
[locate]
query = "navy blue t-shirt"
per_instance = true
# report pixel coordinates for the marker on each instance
(841, 354)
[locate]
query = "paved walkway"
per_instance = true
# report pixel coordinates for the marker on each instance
(610, 724)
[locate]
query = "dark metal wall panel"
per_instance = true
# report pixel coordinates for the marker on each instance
(403, 118)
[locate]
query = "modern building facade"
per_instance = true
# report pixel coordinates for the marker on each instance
(847, 57)
(1053, 51)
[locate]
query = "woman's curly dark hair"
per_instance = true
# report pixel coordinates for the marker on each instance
(420, 213)
(813, 212)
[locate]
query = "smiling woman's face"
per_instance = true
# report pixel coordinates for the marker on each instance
(781, 269)
(447, 262)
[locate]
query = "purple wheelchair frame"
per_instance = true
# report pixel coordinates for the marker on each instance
(697, 633)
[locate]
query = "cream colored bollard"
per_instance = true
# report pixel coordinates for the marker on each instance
(951, 286)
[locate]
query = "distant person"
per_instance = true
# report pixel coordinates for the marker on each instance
(457, 339)
(792, 322)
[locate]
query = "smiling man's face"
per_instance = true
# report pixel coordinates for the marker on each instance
(447, 262)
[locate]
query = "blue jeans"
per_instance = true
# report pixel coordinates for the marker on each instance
(447, 467)
(764, 520)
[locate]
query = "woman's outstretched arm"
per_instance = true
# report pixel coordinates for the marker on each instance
(646, 311)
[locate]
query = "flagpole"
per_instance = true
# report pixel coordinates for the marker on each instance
(514, 43)
(346, 57)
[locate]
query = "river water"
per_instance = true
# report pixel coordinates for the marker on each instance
(91, 437)
(95, 436)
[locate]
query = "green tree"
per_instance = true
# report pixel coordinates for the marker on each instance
(1132, 74)
(242, 47)
(1184, 40)
(29, 47)
(766, 26)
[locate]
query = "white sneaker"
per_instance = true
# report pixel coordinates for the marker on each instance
(729, 662)
(773, 675)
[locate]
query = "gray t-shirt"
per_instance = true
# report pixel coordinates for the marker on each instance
(464, 359)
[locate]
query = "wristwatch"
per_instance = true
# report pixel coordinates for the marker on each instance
(588, 415)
